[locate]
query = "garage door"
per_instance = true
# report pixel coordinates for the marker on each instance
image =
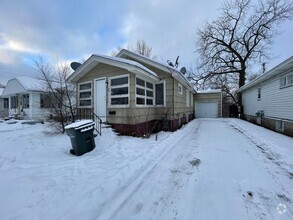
(206, 109)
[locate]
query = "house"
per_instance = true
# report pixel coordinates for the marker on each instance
(208, 104)
(268, 100)
(24, 97)
(134, 94)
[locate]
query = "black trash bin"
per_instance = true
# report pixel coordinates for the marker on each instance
(81, 136)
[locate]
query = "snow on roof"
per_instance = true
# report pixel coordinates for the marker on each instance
(209, 91)
(129, 62)
(279, 69)
(30, 83)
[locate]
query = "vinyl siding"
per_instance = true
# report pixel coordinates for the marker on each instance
(275, 102)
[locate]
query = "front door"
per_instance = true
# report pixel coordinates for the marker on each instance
(100, 101)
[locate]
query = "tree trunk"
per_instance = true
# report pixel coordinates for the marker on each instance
(242, 78)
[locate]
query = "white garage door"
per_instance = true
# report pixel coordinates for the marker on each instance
(206, 109)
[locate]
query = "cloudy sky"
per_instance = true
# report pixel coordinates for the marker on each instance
(68, 30)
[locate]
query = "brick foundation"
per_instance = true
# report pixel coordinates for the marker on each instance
(149, 127)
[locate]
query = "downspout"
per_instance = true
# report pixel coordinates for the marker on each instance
(221, 104)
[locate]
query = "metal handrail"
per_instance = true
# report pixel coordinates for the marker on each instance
(98, 122)
(88, 113)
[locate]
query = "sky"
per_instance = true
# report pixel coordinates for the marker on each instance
(69, 30)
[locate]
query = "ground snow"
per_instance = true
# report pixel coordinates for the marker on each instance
(209, 169)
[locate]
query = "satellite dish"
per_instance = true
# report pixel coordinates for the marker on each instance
(183, 70)
(74, 65)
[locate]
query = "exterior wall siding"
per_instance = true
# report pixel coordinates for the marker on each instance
(276, 102)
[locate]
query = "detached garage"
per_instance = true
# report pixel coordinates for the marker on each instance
(208, 104)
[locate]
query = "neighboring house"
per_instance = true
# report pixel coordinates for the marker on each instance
(208, 104)
(133, 93)
(268, 100)
(24, 97)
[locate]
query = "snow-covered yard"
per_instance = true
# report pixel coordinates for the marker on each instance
(209, 169)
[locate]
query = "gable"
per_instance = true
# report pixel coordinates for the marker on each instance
(13, 86)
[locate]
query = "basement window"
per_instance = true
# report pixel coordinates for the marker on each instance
(280, 125)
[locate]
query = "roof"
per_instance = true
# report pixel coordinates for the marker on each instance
(30, 83)
(166, 68)
(131, 66)
(209, 91)
(1, 91)
(277, 70)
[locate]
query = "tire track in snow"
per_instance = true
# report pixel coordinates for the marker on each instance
(119, 201)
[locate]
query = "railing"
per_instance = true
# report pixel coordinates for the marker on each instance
(88, 113)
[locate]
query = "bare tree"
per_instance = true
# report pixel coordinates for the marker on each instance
(60, 93)
(141, 48)
(240, 36)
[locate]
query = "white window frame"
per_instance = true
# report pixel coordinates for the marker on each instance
(85, 90)
(286, 79)
(119, 86)
(180, 89)
(187, 98)
(164, 89)
(191, 99)
(259, 93)
(145, 97)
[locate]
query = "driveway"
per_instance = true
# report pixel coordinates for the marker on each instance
(213, 172)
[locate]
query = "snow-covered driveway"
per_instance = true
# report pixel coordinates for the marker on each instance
(209, 169)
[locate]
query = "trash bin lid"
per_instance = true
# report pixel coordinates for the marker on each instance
(80, 124)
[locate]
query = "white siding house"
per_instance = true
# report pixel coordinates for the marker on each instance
(268, 100)
(26, 98)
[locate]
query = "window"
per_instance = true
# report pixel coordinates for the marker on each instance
(160, 94)
(144, 92)
(259, 93)
(191, 99)
(25, 101)
(85, 94)
(187, 98)
(45, 101)
(279, 125)
(6, 103)
(14, 101)
(180, 89)
(286, 80)
(119, 90)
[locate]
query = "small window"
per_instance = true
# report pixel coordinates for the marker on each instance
(279, 125)
(160, 94)
(191, 99)
(85, 94)
(187, 98)
(25, 101)
(259, 93)
(144, 92)
(119, 90)
(290, 79)
(6, 103)
(283, 82)
(180, 89)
